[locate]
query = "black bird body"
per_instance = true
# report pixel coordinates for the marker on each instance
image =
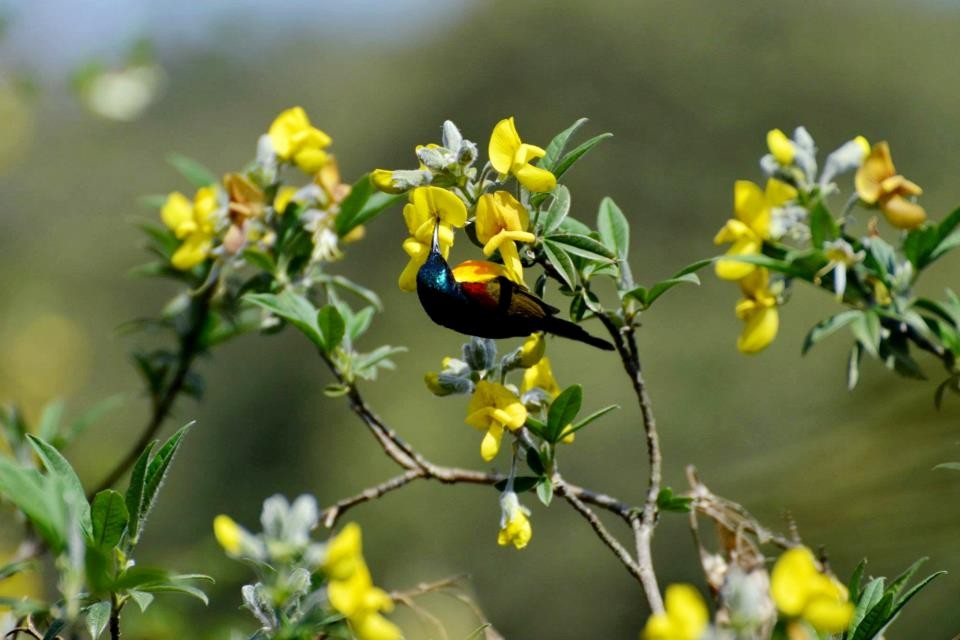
(495, 307)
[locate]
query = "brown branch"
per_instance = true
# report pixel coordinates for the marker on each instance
(190, 347)
(625, 342)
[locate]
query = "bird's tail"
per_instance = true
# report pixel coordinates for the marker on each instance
(566, 329)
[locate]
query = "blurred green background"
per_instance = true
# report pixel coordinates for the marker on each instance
(689, 90)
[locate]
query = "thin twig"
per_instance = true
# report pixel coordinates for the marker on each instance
(625, 342)
(189, 349)
(599, 528)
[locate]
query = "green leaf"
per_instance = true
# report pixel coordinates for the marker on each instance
(49, 424)
(584, 246)
(561, 263)
(668, 501)
(874, 620)
(293, 308)
(136, 490)
(363, 204)
(174, 587)
(855, 580)
(157, 472)
(520, 483)
(866, 329)
(590, 418)
(822, 226)
(142, 599)
(109, 515)
(828, 327)
(948, 466)
(96, 617)
(925, 245)
(563, 411)
(197, 174)
(558, 144)
(53, 631)
(914, 590)
(780, 266)
(872, 594)
(535, 462)
(36, 496)
(900, 581)
(260, 260)
(614, 228)
(348, 285)
(558, 209)
(537, 427)
(154, 201)
(332, 327)
(570, 158)
(853, 365)
(647, 297)
(58, 466)
(545, 492)
(377, 358)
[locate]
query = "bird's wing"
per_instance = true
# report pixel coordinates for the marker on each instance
(516, 299)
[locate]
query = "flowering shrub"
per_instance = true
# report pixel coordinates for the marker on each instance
(257, 250)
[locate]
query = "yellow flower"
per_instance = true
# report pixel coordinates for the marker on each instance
(780, 147)
(492, 408)
(383, 180)
(502, 222)
(750, 225)
(295, 140)
(540, 375)
(515, 526)
(532, 350)
(509, 155)
(879, 184)
(428, 207)
(758, 309)
(228, 533)
(284, 197)
(800, 590)
(351, 590)
(194, 223)
(477, 271)
(685, 618)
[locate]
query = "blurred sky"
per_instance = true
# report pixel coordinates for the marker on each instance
(689, 90)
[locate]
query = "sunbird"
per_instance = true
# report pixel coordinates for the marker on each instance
(488, 304)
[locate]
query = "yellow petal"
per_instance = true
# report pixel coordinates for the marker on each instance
(733, 269)
(828, 615)
(780, 147)
(532, 350)
(511, 261)
(228, 534)
(283, 198)
(864, 145)
(903, 213)
(375, 627)
(778, 193)
(536, 179)
(177, 214)
(686, 610)
(310, 160)
(732, 231)
(192, 252)
(504, 143)
(790, 580)
(876, 167)
(527, 153)
(760, 330)
(490, 445)
(343, 552)
(748, 201)
(408, 277)
(284, 127)
(382, 179)
(540, 376)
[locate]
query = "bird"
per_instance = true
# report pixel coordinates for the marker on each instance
(486, 304)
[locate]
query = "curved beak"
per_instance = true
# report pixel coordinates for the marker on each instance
(435, 247)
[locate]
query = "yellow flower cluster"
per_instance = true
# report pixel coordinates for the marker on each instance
(351, 590)
(747, 231)
(295, 140)
(802, 592)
